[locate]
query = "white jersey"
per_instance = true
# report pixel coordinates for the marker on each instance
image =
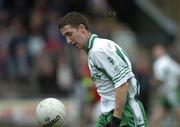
(167, 71)
(110, 68)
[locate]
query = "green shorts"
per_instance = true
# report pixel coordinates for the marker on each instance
(169, 103)
(133, 116)
(166, 103)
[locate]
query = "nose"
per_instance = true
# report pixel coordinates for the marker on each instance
(69, 41)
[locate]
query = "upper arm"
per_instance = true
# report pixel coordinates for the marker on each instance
(113, 65)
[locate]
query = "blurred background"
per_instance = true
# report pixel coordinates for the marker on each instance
(36, 62)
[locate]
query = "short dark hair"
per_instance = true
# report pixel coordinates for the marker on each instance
(74, 19)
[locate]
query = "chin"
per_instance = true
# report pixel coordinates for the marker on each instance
(78, 47)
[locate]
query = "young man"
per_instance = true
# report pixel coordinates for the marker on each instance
(166, 78)
(111, 71)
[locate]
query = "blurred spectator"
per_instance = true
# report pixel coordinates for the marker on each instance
(142, 71)
(54, 39)
(64, 74)
(102, 31)
(17, 46)
(97, 8)
(4, 17)
(46, 74)
(126, 38)
(36, 44)
(22, 62)
(4, 54)
(166, 79)
(1, 4)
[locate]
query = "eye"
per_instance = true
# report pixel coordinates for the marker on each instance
(69, 34)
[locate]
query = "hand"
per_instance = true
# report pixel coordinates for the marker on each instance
(115, 122)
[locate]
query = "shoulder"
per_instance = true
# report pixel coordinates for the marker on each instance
(103, 45)
(166, 62)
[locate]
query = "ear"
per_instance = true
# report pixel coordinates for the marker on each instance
(81, 26)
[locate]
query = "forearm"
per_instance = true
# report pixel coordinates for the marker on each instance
(121, 97)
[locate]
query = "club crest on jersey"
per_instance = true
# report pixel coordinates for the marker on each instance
(110, 60)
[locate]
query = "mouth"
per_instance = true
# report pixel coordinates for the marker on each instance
(75, 44)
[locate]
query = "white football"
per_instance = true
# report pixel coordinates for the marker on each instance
(50, 112)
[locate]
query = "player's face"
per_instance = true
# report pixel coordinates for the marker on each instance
(74, 36)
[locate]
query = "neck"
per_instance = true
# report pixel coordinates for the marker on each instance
(88, 35)
(87, 39)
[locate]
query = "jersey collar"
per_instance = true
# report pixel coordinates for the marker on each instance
(90, 42)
